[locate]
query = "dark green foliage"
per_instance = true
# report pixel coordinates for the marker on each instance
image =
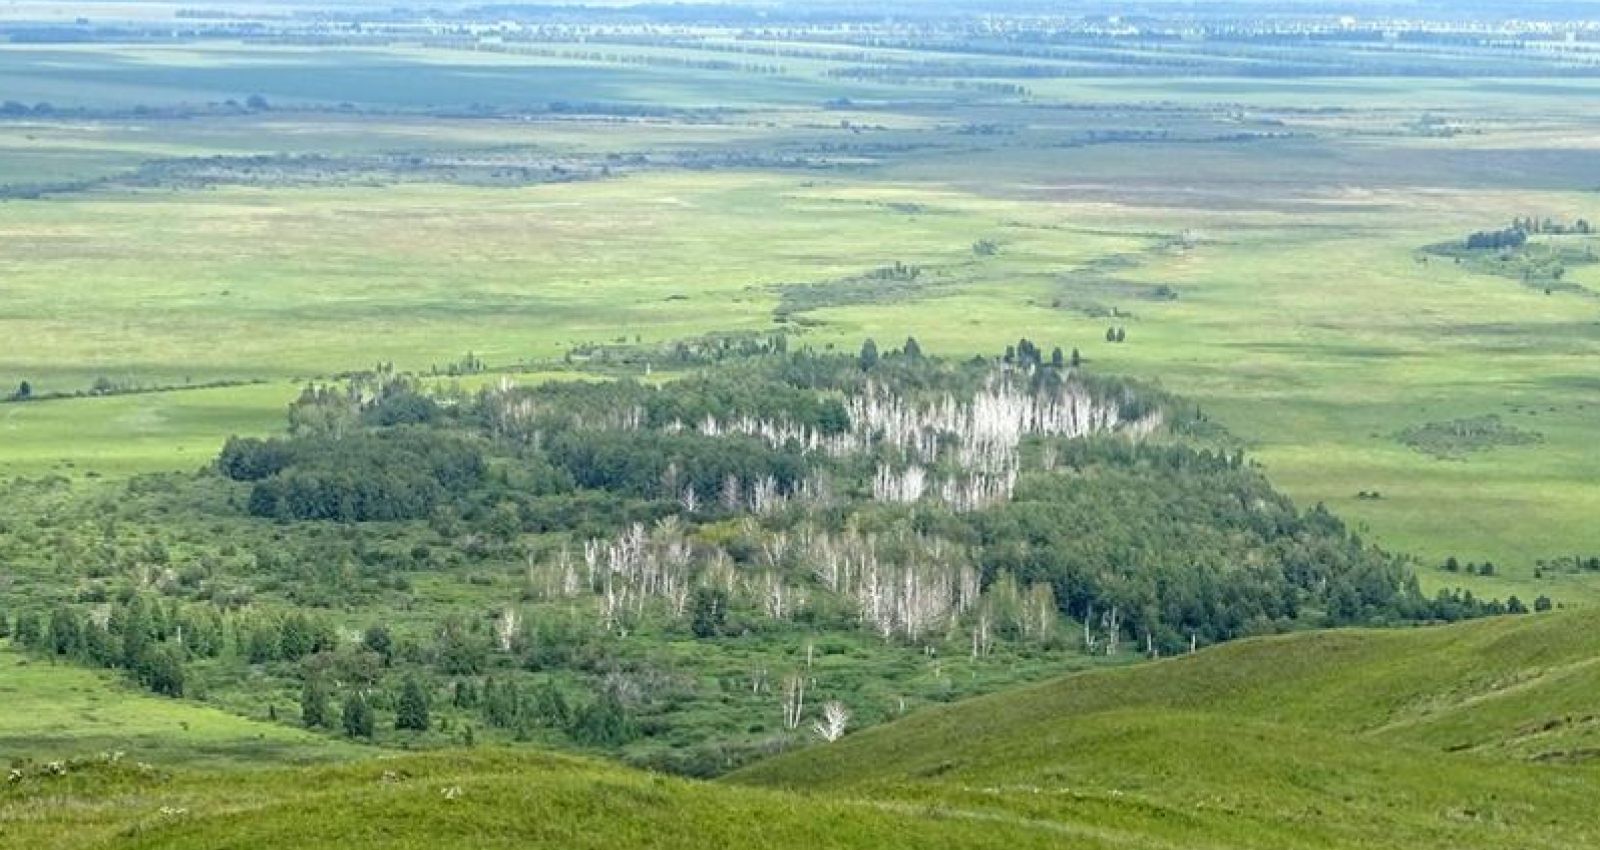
(1511, 237)
(314, 702)
(29, 631)
(161, 670)
(382, 476)
(411, 712)
(603, 723)
(251, 459)
(1159, 534)
(64, 631)
(648, 464)
(356, 718)
(869, 355)
(460, 650)
(709, 612)
(378, 640)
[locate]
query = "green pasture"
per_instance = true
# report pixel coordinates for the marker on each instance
(61, 712)
(1303, 314)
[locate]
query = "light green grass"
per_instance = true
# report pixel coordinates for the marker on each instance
(55, 713)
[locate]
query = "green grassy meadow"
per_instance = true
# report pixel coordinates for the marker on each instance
(58, 712)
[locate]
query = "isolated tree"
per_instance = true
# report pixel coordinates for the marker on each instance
(357, 716)
(869, 354)
(710, 611)
(64, 631)
(412, 710)
(135, 633)
(1543, 603)
(24, 391)
(550, 702)
(1515, 606)
(377, 639)
(913, 349)
(162, 670)
(603, 723)
(834, 719)
(314, 702)
(1075, 360)
(295, 640)
(1057, 358)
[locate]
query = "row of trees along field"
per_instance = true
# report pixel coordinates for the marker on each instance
(1006, 507)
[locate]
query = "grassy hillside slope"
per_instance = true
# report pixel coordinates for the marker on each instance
(1478, 735)
(466, 799)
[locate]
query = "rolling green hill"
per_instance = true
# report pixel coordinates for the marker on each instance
(466, 799)
(1478, 735)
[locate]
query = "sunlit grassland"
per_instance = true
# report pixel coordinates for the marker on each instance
(1314, 335)
(143, 432)
(57, 712)
(466, 799)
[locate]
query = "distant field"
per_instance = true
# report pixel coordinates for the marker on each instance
(1259, 239)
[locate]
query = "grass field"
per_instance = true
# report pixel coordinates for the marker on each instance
(63, 712)
(1312, 330)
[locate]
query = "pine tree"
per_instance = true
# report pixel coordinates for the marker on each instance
(603, 723)
(64, 631)
(357, 716)
(710, 611)
(869, 354)
(412, 710)
(314, 702)
(296, 639)
(378, 640)
(135, 633)
(162, 670)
